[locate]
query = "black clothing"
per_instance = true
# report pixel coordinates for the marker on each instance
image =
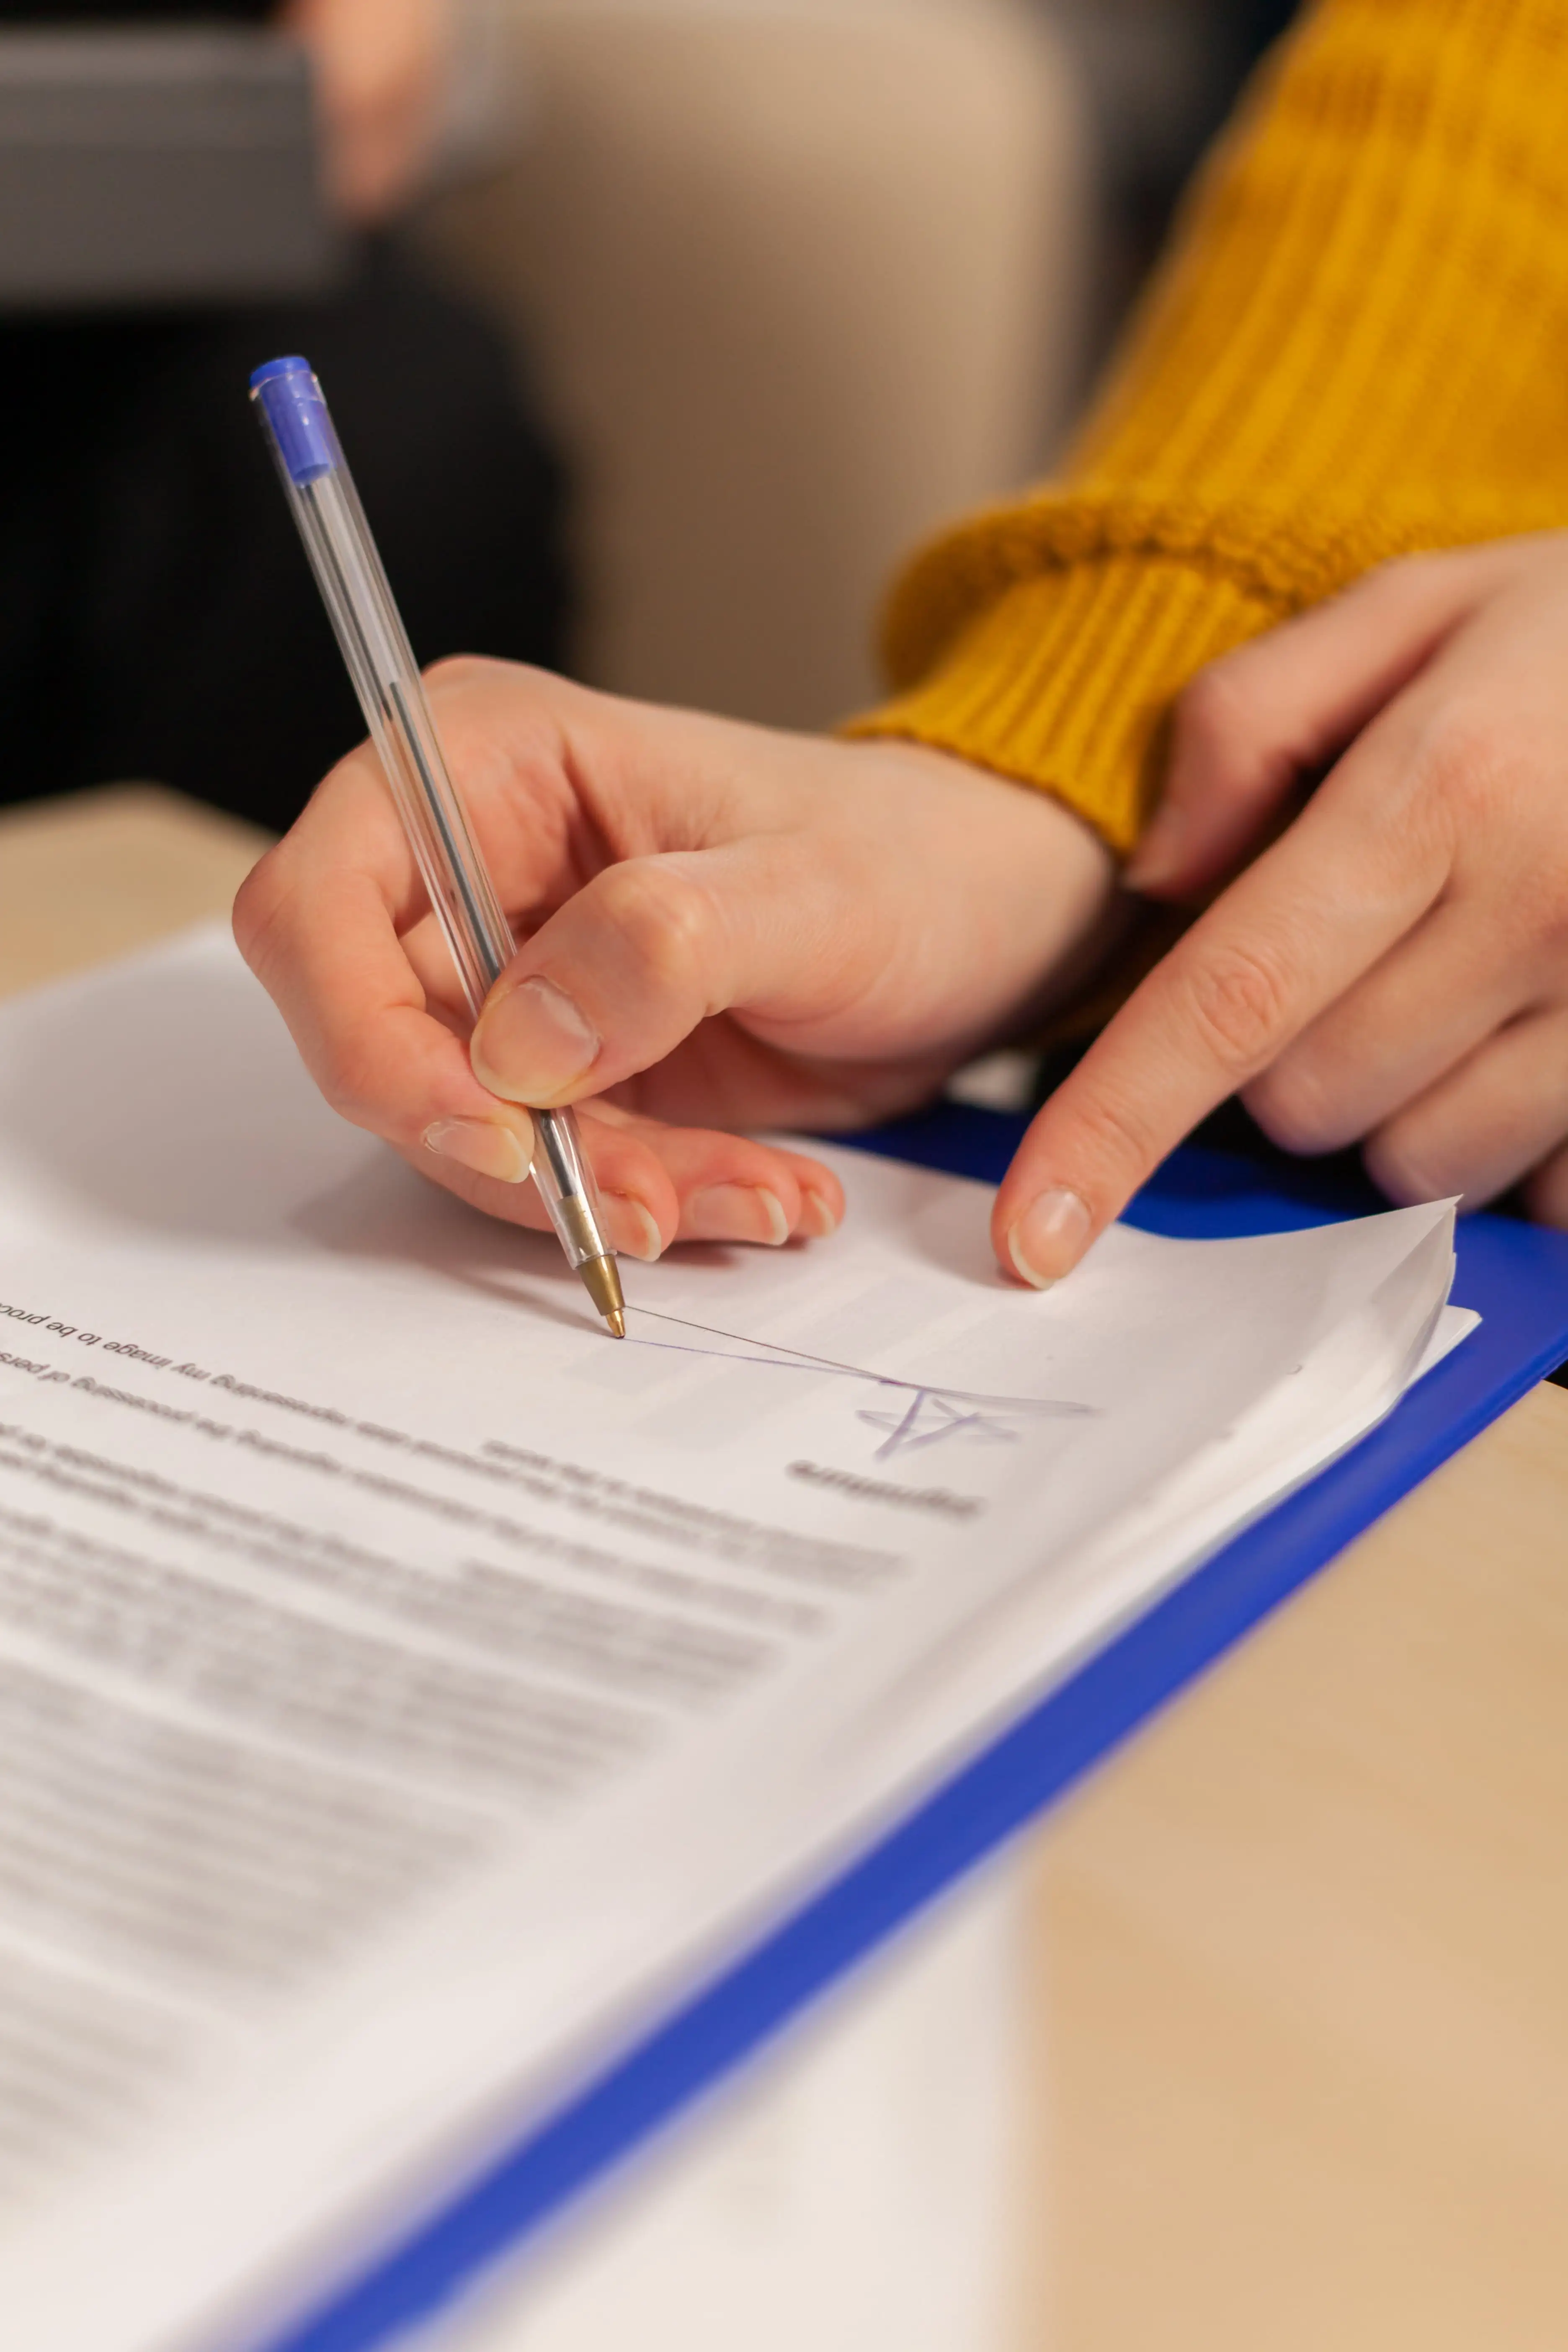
(157, 616)
(129, 12)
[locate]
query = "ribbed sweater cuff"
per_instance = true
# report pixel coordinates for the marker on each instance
(1065, 681)
(1049, 641)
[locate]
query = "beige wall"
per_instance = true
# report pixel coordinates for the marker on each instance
(801, 280)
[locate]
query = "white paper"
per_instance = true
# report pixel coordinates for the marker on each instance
(873, 2179)
(405, 1688)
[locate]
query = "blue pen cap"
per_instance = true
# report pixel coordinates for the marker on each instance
(292, 400)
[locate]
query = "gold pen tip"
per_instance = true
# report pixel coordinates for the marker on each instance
(603, 1284)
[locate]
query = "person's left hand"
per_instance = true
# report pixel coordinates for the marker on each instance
(381, 73)
(1393, 971)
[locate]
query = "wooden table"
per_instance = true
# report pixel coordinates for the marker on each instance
(1303, 2038)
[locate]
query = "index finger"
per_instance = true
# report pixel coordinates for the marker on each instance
(317, 922)
(1297, 929)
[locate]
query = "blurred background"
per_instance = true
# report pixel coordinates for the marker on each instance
(655, 330)
(800, 280)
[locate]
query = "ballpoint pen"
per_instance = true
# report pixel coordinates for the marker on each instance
(381, 662)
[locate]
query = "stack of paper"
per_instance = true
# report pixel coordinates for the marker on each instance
(406, 1691)
(874, 2178)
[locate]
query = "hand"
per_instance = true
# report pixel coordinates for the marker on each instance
(1393, 970)
(381, 74)
(725, 927)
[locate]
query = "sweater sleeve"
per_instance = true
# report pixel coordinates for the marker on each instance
(1357, 348)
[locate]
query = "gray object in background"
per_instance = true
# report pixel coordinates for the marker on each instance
(158, 167)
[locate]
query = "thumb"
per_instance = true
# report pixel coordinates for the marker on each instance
(1256, 723)
(622, 973)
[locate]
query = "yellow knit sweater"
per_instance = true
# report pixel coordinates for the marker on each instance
(1357, 348)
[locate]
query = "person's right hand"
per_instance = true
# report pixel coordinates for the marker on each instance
(724, 927)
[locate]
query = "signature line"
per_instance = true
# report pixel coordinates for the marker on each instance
(797, 1359)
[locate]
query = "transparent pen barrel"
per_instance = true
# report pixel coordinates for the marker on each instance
(381, 662)
(387, 681)
(566, 1186)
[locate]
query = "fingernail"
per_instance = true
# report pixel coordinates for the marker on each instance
(634, 1229)
(531, 1043)
(484, 1145)
(737, 1212)
(817, 1215)
(1049, 1238)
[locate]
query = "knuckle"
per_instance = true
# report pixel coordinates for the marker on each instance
(1517, 889)
(257, 905)
(1237, 998)
(1539, 911)
(662, 918)
(1113, 1140)
(1290, 1104)
(1214, 716)
(1402, 1173)
(345, 1073)
(1471, 766)
(1460, 756)
(457, 673)
(1226, 737)
(1546, 1192)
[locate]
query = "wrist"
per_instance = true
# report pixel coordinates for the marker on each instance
(1041, 906)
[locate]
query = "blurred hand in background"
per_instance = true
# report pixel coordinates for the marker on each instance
(381, 69)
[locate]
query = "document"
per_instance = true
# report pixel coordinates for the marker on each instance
(408, 1692)
(873, 2179)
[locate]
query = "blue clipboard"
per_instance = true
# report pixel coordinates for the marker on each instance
(1515, 1275)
